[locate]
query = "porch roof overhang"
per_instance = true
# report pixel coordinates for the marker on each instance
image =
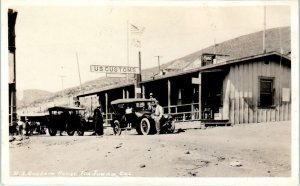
(105, 89)
(218, 66)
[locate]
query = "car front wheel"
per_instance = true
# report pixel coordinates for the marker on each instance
(145, 126)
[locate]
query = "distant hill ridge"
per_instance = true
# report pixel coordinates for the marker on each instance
(277, 39)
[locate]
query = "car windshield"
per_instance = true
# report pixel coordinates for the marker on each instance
(130, 107)
(141, 106)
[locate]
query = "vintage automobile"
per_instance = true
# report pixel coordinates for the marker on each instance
(135, 113)
(65, 118)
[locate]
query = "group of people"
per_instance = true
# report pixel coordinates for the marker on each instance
(24, 127)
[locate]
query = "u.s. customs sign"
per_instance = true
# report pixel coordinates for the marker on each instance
(114, 69)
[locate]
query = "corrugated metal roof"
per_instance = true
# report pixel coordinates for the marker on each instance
(212, 66)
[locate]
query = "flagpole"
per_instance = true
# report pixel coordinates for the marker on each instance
(127, 49)
(79, 72)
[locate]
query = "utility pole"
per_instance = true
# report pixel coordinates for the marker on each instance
(158, 57)
(127, 25)
(264, 32)
(79, 72)
(62, 81)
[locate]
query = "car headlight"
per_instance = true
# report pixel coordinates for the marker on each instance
(138, 114)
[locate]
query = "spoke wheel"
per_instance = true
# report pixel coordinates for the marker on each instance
(171, 127)
(145, 126)
(80, 130)
(70, 130)
(52, 130)
(117, 128)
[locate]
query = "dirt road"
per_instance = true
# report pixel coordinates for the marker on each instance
(242, 150)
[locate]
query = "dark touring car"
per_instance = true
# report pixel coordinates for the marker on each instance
(135, 113)
(65, 118)
(59, 118)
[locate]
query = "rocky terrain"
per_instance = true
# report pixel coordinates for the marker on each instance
(250, 150)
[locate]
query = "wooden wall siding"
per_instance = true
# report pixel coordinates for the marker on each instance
(241, 93)
(227, 97)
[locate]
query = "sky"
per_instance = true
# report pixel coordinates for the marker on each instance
(48, 37)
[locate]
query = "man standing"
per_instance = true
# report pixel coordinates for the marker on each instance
(27, 127)
(98, 121)
(157, 115)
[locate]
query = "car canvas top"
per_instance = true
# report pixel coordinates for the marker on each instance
(130, 100)
(62, 108)
(33, 114)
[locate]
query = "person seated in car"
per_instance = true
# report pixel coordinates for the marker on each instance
(129, 110)
(129, 114)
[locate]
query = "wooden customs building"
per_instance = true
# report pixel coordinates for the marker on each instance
(232, 82)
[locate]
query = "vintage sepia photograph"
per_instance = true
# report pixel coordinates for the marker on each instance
(125, 92)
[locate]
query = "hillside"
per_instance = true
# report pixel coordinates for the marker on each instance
(277, 39)
(33, 95)
(243, 46)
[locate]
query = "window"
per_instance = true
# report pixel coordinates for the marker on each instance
(266, 92)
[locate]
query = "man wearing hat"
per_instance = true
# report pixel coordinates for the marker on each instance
(151, 105)
(151, 96)
(157, 115)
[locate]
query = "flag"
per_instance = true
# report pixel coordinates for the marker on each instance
(134, 29)
(135, 35)
(136, 42)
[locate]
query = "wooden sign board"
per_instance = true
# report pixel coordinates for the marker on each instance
(114, 69)
(138, 90)
(286, 94)
(196, 81)
(116, 75)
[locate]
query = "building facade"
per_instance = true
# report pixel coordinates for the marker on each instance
(248, 90)
(12, 17)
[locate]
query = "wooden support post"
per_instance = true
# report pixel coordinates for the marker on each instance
(192, 112)
(106, 108)
(127, 93)
(143, 91)
(169, 96)
(123, 93)
(200, 95)
(137, 86)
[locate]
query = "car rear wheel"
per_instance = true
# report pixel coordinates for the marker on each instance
(70, 130)
(52, 130)
(117, 128)
(145, 126)
(171, 127)
(80, 130)
(138, 130)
